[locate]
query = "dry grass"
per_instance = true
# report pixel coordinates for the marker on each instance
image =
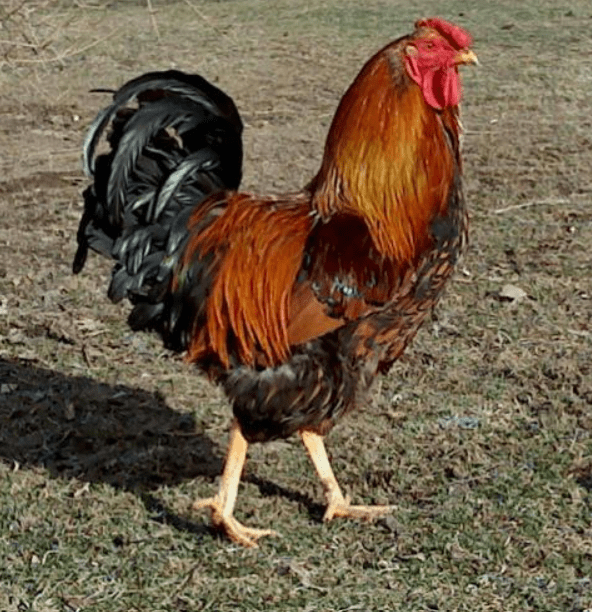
(480, 434)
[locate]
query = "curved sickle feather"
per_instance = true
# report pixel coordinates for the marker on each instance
(190, 86)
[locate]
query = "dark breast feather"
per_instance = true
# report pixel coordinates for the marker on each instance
(388, 331)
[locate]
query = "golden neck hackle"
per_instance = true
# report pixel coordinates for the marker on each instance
(386, 159)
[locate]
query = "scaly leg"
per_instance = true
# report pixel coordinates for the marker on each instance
(222, 505)
(337, 504)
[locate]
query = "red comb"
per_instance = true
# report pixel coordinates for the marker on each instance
(456, 35)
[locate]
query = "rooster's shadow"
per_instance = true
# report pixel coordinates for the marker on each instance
(129, 438)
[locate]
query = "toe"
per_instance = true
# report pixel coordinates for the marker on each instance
(208, 502)
(367, 513)
(241, 534)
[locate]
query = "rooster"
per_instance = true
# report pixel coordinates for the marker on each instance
(292, 303)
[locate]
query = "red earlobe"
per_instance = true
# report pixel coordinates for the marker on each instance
(413, 70)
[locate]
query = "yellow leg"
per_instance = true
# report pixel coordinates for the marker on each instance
(338, 505)
(222, 505)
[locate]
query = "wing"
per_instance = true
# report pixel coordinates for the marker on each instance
(275, 277)
(343, 277)
(271, 277)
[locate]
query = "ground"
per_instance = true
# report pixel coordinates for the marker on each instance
(481, 433)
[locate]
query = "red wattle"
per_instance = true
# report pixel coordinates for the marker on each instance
(440, 87)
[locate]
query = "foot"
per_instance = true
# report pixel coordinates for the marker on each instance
(237, 532)
(339, 506)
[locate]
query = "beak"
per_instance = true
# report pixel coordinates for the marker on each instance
(466, 56)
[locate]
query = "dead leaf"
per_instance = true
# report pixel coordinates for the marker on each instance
(85, 488)
(512, 293)
(69, 411)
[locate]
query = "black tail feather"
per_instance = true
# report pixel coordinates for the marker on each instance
(172, 82)
(175, 139)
